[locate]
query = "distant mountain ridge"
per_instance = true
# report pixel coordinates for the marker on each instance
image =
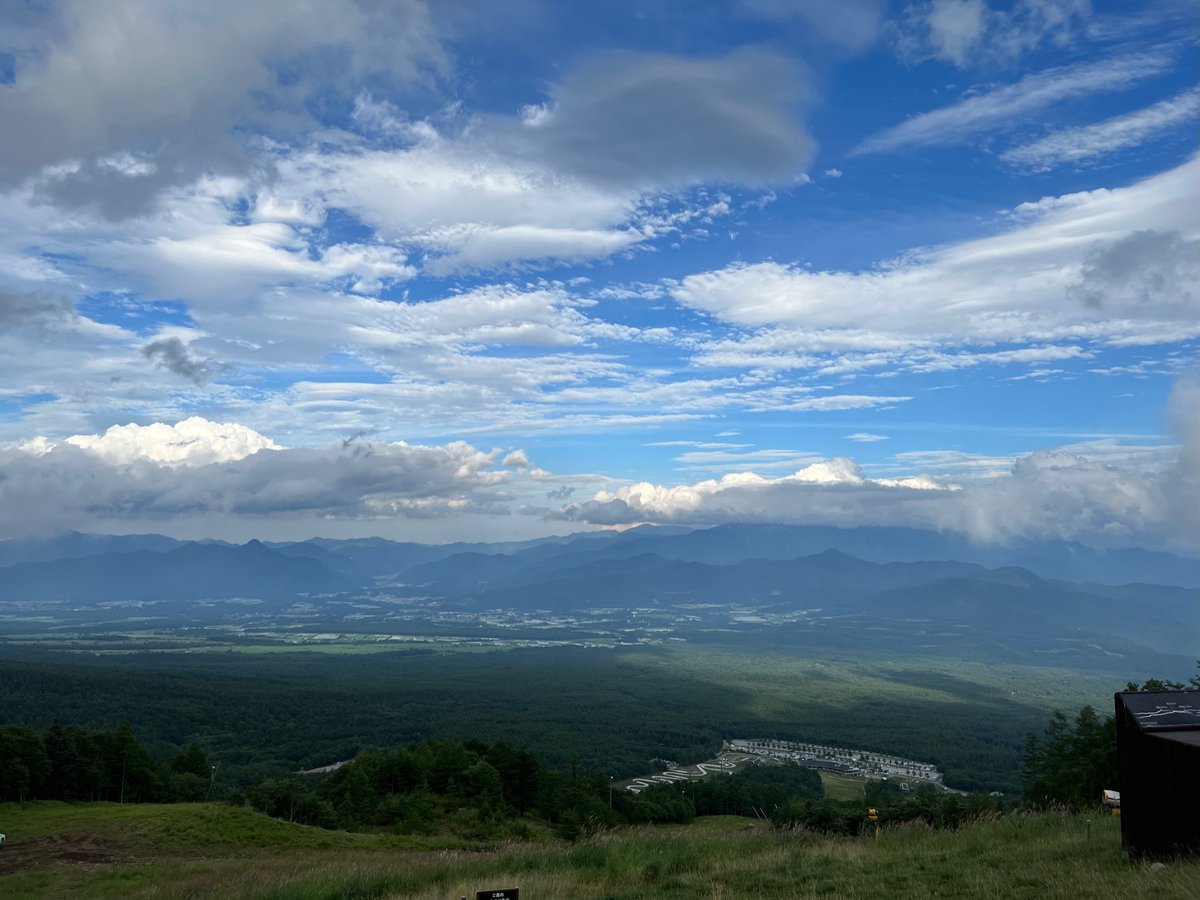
(374, 558)
(728, 560)
(780, 582)
(191, 571)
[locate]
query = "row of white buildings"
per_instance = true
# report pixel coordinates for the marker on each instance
(839, 759)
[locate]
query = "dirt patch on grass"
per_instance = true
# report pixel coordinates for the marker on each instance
(82, 851)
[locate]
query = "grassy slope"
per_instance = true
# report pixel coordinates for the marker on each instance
(199, 850)
(842, 787)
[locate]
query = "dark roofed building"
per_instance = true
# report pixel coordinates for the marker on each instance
(1158, 751)
(829, 765)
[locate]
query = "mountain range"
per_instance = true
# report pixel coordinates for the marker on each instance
(790, 576)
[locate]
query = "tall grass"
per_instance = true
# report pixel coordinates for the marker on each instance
(217, 851)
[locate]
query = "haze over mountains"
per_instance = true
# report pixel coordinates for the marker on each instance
(865, 587)
(463, 565)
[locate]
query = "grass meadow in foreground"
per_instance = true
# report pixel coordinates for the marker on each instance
(206, 850)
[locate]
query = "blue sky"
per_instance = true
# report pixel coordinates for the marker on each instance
(467, 270)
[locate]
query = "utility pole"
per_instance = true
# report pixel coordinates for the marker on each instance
(211, 781)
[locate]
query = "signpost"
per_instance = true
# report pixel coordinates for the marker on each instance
(499, 894)
(873, 815)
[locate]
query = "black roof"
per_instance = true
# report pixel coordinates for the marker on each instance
(1163, 711)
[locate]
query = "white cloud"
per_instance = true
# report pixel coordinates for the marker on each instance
(843, 401)
(1117, 266)
(742, 497)
(852, 26)
(1086, 143)
(1040, 496)
(481, 247)
(955, 27)
(738, 460)
(866, 437)
(192, 442)
(516, 459)
(969, 32)
(1003, 107)
(201, 469)
(954, 463)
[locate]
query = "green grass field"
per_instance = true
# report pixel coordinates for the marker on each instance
(207, 850)
(842, 787)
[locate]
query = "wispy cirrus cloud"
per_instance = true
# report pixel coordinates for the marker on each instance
(1127, 258)
(851, 26)
(1000, 108)
(1088, 142)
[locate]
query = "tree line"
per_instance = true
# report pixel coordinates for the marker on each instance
(78, 764)
(475, 789)
(1074, 759)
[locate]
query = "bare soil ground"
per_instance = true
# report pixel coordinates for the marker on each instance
(87, 852)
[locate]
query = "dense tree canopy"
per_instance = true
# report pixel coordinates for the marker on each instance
(73, 763)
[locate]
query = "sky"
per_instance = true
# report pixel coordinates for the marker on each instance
(486, 271)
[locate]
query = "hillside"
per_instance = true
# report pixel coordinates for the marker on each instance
(192, 571)
(107, 850)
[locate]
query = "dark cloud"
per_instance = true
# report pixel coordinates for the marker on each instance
(1152, 272)
(172, 354)
(20, 309)
(73, 487)
(650, 121)
(112, 101)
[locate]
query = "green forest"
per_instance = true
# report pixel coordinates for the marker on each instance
(264, 715)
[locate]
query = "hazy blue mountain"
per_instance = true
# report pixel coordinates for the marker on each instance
(653, 575)
(73, 544)
(647, 579)
(1063, 560)
(190, 572)
(999, 605)
(1050, 559)
(378, 558)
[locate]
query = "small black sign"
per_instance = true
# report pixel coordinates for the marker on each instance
(501, 894)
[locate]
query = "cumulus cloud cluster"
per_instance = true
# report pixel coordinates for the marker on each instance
(1045, 495)
(287, 215)
(116, 100)
(192, 442)
(226, 472)
(199, 468)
